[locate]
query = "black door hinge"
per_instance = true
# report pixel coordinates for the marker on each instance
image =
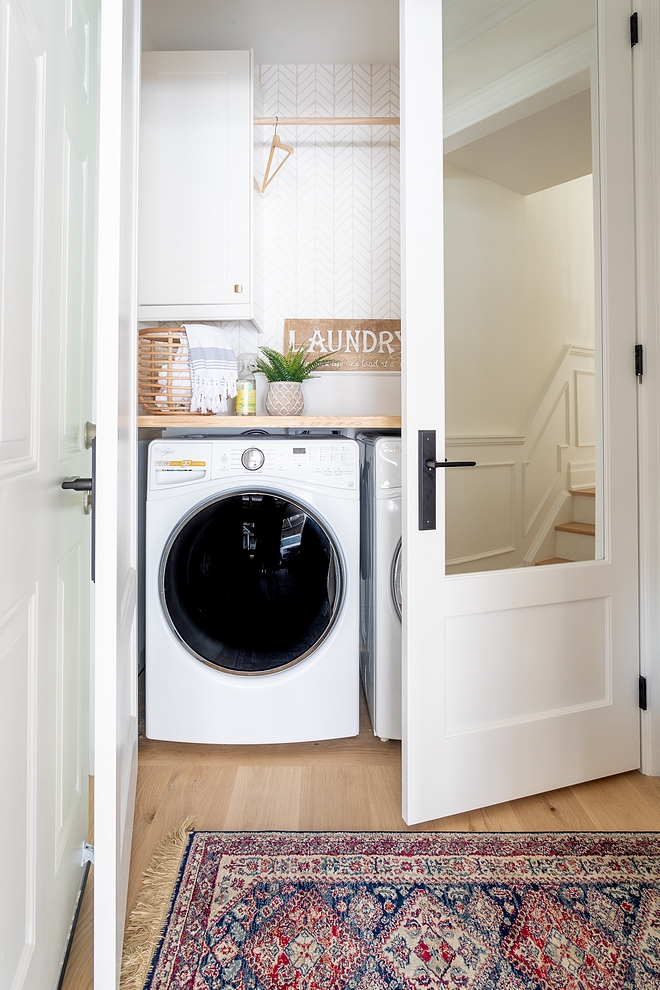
(634, 29)
(639, 360)
(642, 693)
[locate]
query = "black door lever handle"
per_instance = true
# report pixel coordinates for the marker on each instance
(427, 466)
(77, 484)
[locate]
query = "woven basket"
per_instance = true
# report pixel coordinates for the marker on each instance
(163, 370)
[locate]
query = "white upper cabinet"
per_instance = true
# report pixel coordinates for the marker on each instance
(195, 186)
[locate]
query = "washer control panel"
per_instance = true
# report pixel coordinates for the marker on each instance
(331, 462)
(252, 459)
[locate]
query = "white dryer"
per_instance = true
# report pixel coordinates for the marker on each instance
(380, 580)
(252, 599)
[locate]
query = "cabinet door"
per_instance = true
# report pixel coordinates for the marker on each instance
(195, 186)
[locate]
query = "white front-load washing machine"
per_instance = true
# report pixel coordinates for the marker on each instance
(252, 597)
(380, 581)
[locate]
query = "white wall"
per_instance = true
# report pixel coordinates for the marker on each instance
(559, 252)
(519, 288)
(326, 232)
(484, 307)
(327, 228)
(287, 31)
(519, 373)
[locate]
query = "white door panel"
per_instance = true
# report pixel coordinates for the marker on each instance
(519, 681)
(48, 174)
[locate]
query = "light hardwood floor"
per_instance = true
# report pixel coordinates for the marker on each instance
(351, 784)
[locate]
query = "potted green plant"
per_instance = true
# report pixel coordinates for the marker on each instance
(285, 374)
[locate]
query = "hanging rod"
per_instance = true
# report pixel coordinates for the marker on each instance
(331, 121)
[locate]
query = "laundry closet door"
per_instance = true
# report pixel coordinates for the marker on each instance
(115, 672)
(48, 133)
(518, 679)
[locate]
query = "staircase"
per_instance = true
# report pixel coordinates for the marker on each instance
(576, 540)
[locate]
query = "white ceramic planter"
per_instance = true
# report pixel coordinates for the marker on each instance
(284, 399)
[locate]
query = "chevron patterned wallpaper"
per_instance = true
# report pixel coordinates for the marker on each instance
(327, 228)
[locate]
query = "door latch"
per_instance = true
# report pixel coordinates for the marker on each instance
(426, 473)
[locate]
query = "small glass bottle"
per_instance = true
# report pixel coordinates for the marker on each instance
(246, 387)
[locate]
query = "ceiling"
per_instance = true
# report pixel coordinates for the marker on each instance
(539, 151)
(543, 149)
(309, 31)
(465, 20)
(298, 32)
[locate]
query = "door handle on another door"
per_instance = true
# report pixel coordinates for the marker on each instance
(426, 477)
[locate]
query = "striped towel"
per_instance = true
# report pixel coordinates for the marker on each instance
(213, 368)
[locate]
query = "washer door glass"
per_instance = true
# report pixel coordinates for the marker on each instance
(251, 582)
(396, 580)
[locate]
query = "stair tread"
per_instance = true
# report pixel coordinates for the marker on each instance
(584, 529)
(585, 492)
(552, 560)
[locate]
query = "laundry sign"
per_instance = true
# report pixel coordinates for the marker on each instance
(354, 345)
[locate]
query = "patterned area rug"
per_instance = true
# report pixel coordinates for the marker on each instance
(401, 911)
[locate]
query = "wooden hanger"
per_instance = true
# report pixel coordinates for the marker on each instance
(275, 143)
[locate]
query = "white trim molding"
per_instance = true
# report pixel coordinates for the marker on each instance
(465, 20)
(646, 69)
(484, 441)
(546, 462)
(554, 76)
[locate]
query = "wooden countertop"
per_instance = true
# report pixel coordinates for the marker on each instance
(197, 422)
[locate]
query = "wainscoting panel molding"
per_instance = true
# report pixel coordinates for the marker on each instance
(484, 441)
(585, 408)
(487, 521)
(487, 494)
(541, 470)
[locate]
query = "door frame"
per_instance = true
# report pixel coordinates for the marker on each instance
(646, 88)
(115, 667)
